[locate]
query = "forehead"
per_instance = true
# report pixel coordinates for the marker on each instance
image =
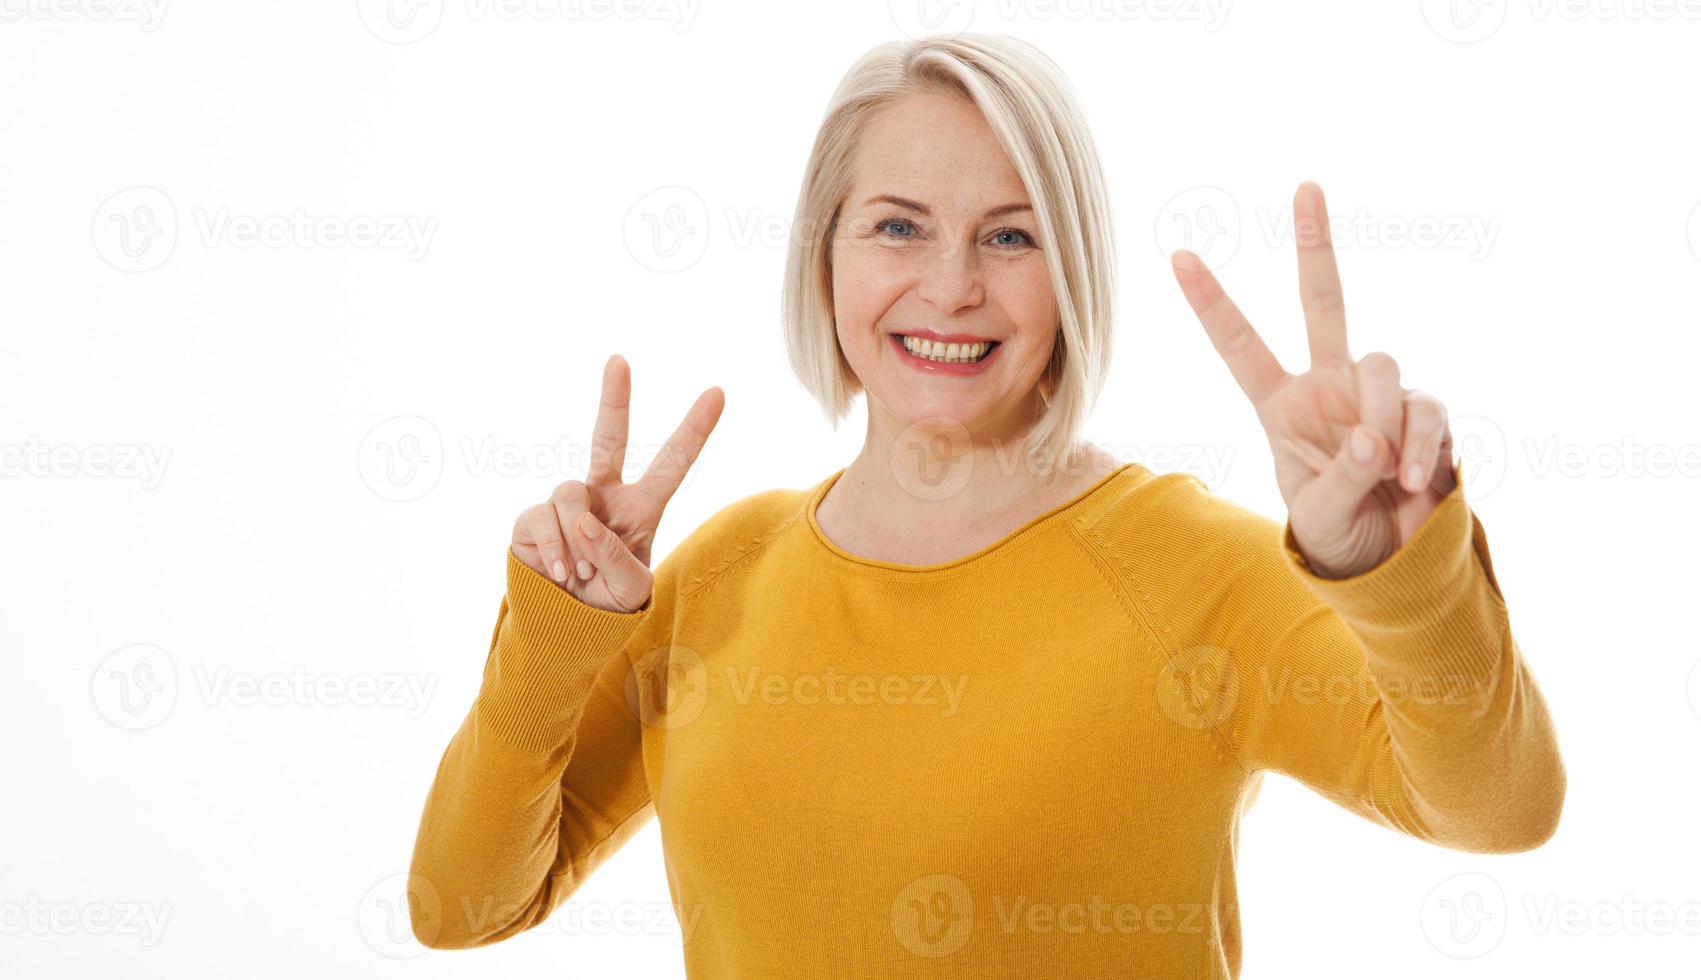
(936, 149)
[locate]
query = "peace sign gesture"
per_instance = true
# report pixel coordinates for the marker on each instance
(1341, 431)
(567, 537)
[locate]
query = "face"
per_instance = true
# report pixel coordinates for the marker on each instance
(937, 239)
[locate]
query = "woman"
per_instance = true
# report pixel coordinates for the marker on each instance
(985, 701)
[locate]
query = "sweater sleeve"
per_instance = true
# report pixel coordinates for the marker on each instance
(1399, 693)
(544, 778)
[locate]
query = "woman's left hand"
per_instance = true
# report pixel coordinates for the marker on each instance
(1347, 515)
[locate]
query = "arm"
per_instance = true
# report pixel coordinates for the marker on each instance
(1414, 705)
(543, 780)
(1399, 693)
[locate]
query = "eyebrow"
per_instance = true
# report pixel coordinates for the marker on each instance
(921, 209)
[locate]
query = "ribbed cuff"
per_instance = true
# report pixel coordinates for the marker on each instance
(1416, 599)
(548, 649)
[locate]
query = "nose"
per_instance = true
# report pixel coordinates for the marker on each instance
(951, 278)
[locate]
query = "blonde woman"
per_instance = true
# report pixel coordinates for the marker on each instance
(985, 701)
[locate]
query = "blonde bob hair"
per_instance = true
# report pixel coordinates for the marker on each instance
(1031, 108)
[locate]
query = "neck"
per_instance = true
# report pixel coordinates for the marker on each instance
(941, 471)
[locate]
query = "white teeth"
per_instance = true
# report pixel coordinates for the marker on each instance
(945, 353)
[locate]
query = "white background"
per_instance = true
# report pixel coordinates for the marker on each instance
(1519, 229)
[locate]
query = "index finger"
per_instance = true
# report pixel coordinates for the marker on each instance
(667, 470)
(1255, 369)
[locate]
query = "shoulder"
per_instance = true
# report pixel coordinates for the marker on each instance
(1161, 521)
(732, 534)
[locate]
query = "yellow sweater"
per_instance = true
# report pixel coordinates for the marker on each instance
(1028, 762)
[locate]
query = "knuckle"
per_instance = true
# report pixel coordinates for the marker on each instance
(613, 546)
(548, 531)
(529, 518)
(1427, 406)
(1380, 361)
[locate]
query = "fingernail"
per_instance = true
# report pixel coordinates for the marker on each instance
(585, 569)
(1364, 447)
(1414, 477)
(589, 526)
(560, 570)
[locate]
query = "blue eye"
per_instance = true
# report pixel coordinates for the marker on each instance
(1023, 240)
(893, 221)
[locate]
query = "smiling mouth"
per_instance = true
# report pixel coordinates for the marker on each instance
(933, 350)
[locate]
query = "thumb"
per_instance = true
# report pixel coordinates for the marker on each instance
(627, 578)
(1354, 472)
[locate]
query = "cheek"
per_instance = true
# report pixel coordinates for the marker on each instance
(865, 283)
(1023, 291)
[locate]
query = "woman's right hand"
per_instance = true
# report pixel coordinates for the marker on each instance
(567, 538)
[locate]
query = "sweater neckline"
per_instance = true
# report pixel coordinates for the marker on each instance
(840, 556)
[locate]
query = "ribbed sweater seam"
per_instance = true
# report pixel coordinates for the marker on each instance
(747, 551)
(1121, 588)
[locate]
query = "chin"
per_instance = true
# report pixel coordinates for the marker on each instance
(944, 415)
